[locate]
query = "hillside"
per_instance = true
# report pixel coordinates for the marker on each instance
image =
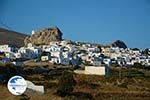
(134, 84)
(11, 37)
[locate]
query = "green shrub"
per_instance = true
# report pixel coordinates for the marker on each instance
(66, 84)
(138, 65)
(123, 85)
(9, 70)
(79, 96)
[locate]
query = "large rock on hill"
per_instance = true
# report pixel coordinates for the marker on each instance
(44, 36)
(119, 43)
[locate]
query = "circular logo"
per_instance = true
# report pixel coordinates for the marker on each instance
(17, 85)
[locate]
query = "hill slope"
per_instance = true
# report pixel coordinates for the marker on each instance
(11, 37)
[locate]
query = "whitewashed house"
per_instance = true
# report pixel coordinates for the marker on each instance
(57, 54)
(52, 48)
(75, 60)
(91, 54)
(65, 42)
(85, 58)
(61, 56)
(107, 61)
(65, 49)
(97, 61)
(58, 58)
(93, 49)
(36, 50)
(134, 60)
(115, 55)
(10, 55)
(7, 48)
(17, 55)
(106, 51)
(54, 60)
(121, 61)
(53, 43)
(71, 48)
(29, 52)
(147, 62)
(64, 61)
(26, 53)
(64, 58)
(136, 52)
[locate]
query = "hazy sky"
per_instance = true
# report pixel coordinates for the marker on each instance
(99, 21)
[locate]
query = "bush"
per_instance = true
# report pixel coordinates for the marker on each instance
(123, 85)
(9, 70)
(138, 65)
(66, 84)
(134, 73)
(115, 65)
(79, 96)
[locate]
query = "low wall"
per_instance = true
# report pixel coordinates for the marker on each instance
(92, 70)
(95, 70)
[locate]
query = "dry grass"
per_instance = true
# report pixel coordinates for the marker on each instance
(106, 90)
(5, 95)
(97, 87)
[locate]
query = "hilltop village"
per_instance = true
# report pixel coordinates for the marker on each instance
(47, 45)
(71, 70)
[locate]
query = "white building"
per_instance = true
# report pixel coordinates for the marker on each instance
(26, 53)
(93, 49)
(63, 57)
(107, 61)
(10, 55)
(29, 52)
(7, 48)
(52, 48)
(33, 32)
(64, 42)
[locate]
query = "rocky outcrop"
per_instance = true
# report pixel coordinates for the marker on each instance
(119, 43)
(44, 36)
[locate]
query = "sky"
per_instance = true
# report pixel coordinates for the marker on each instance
(96, 21)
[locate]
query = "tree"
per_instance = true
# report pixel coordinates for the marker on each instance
(66, 84)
